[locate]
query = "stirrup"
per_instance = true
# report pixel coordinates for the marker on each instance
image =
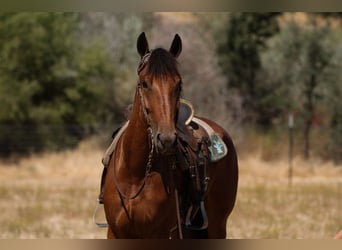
(98, 224)
(203, 212)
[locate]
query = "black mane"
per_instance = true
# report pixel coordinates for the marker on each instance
(162, 63)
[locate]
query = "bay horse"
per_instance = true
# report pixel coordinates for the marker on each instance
(137, 199)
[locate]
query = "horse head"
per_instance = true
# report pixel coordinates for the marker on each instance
(159, 87)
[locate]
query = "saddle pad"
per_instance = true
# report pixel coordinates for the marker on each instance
(112, 147)
(217, 148)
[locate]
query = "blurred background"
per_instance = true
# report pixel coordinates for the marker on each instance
(66, 78)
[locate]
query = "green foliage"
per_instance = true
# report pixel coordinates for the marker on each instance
(247, 37)
(335, 145)
(292, 67)
(333, 102)
(305, 55)
(45, 81)
(64, 76)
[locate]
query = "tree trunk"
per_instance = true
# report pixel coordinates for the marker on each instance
(307, 131)
(312, 83)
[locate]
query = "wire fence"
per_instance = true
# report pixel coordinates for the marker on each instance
(23, 139)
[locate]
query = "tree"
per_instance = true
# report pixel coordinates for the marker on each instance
(302, 60)
(317, 59)
(64, 76)
(333, 100)
(247, 37)
(117, 34)
(45, 98)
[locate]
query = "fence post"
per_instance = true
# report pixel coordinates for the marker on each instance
(291, 124)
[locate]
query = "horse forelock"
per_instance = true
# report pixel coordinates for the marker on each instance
(161, 63)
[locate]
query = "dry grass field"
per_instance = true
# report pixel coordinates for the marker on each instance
(53, 195)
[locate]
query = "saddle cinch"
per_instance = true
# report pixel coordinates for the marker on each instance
(198, 145)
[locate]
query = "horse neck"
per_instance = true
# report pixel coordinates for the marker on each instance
(135, 143)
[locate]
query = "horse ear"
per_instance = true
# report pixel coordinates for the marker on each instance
(176, 46)
(142, 44)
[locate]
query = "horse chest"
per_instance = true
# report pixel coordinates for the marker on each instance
(151, 214)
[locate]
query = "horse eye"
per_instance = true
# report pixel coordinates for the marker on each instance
(179, 87)
(144, 84)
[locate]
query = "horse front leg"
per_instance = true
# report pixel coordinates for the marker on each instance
(110, 234)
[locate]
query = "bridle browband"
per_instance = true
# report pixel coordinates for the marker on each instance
(143, 61)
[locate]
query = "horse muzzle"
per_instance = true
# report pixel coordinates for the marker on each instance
(166, 143)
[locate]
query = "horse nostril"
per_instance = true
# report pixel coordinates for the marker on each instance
(159, 139)
(166, 140)
(173, 139)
